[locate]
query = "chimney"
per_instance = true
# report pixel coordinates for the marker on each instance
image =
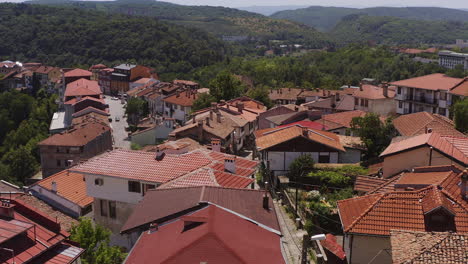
(385, 89)
(153, 228)
(216, 144)
(7, 209)
(159, 153)
(333, 101)
(296, 108)
(240, 107)
(211, 114)
(218, 117)
(200, 130)
(305, 131)
(266, 202)
(54, 187)
(329, 93)
(177, 93)
(230, 164)
(222, 102)
(323, 91)
(214, 106)
(207, 121)
(194, 119)
(463, 185)
(360, 86)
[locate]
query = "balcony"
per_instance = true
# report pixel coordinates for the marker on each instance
(422, 100)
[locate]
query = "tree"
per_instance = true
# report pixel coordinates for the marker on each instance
(461, 115)
(374, 133)
(457, 72)
(225, 86)
(203, 101)
(21, 162)
(136, 109)
(260, 94)
(301, 166)
(95, 240)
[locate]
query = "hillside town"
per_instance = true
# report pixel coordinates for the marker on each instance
(309, 180)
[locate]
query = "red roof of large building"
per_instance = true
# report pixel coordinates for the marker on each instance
(185, 98)
(198, 167)
(461, 89)
(436, 81)
(341, 119)
(420, 122)
(210, 235)
(78, 73)
(78, 135)
(161, 204)
(29, 233)
(82, 87)
(377, 214)
(372, 92)
(455, 147)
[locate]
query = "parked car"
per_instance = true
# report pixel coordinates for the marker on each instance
(110, 119)
(115, 98)
(117, 119)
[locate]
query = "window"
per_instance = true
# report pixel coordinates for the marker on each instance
(59, 163)
(134, 186)
(356, 101)
(98, 181)
(443, 96)
(112, 210)
(399, 90)
(362, 102)
(400, 104)
(103, 205)
(324, 158)
(147, 187)
(366, 103)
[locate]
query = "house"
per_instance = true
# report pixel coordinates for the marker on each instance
(179, 146)
(80, 142)
(207, 236)
(82, 88)
(283, 96)
(333, 250)
(429, 93)
(277, 110)
(155, 130)
(186, 84)
(95, 69)
(338, 102)
(417, 247)
(140, 82)
(119, 179)
(460, 91)
(161, 206)
(278, 147)
(29, 235)
(340, 123)
(433, 199)
(179, 105)
(375, 99)
(45, 77)
(124, 74)
(104, 80)
(297, 116)
(65, 191)
(75, 75)
(354, 148)
(424, 150)
(424, 122)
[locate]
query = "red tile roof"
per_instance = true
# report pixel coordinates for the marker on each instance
(70, 185)
(333, 246)
(214, 240)
(78, 135)
(418, 123)
(98, 67)
(456, 148)
(160, 204)
(411, 247)
(83, 87)
(368, 183)
(88, 110)
(173, 170)
(78, 73)
(461, 89)
(373, 92)
(75, 100)
(274, 137)
(284, 94)
(64, 253)
(45, 69)
(185, 98)
(377, 214)
(436, 81)
(342, 118)
(308, 124)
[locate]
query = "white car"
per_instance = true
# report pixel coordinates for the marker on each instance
(115, 98)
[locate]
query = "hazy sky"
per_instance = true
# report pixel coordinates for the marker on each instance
(350, 3)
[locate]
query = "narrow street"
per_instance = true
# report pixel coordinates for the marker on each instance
(120, 136)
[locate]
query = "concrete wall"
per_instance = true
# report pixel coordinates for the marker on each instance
(362, 249)
(413, 158)
(350, 156)
(150, 137)
(179, 114)
(56, 201)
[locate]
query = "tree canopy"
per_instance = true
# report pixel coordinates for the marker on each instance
(461, 115)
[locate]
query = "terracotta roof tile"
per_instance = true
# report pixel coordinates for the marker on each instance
(213, 241)
(83, 87)
(436, 81)
(281, 135)
(284, 94)
(45, 69)
(342, 118)
(346, 103)
(461, 89)
(368, 183)
(373, 92)
(78, 73)
(333, 246)
(70, 185)
(183, 98)
(418, 123)
(78, 135)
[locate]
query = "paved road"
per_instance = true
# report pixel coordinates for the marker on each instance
(118, 128)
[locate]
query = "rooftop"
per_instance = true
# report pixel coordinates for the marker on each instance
(207, 236)
(185, 98)
(125, 66)
(413, 247)
(436, 81)
(373, 92)
(180, 170)
(78, 135)
(70, 185)
(162, 205)
(342, 118)
(284, 94)
(82, 87)
(461, 89)
(368, 183)
(418, 123)
(346, 103)
(78, 73)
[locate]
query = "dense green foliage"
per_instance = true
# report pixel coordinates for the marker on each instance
(325, 18)
(219, 21)
(321, 69)
(225, 86)
(204, 100)
(24, 122)
(461, 115)
(391, 30)
(95, 240)
(67, 37)
(374, 133)
(301, 166)
(136, 109)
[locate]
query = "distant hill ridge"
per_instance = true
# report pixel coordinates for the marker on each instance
(326, 18)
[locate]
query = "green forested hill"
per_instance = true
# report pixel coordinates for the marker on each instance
(70, 36)
(219, 21)
(391, 30)
(325, 18)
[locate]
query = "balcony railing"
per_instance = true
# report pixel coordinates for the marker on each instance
(422, 99)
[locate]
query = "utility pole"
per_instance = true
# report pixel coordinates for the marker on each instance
(305, 247)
